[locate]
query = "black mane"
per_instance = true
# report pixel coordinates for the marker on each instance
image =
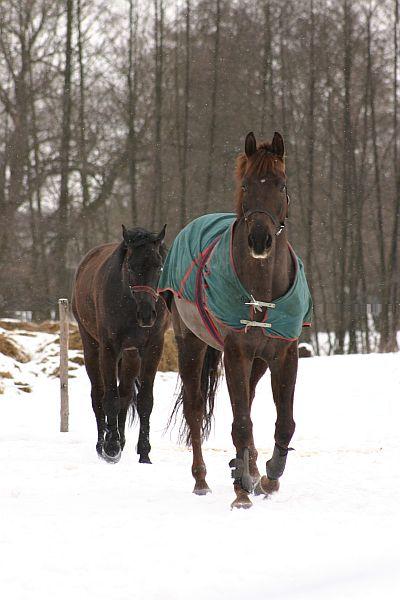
(139, 237)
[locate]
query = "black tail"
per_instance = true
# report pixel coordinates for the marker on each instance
(210, 376)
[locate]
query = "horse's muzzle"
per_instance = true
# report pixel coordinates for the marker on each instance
(260, 244)
(146, 315)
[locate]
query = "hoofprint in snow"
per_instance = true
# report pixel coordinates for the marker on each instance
(72, 526)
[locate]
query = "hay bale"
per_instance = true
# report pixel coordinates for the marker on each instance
(169, 359)
(12, 349)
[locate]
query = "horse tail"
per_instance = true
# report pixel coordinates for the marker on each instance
(132, 409)
(210, 376)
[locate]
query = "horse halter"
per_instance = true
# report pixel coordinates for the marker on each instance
(279, 226)
(146, 289)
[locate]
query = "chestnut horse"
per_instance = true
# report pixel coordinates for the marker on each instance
(268, 274)
(122, 322)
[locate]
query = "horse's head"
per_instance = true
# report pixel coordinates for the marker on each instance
(144, 257)
(262, 198)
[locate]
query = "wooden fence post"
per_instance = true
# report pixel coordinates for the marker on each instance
(64, 335)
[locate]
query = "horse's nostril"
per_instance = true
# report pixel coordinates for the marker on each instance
(250, 241)
(268, 241)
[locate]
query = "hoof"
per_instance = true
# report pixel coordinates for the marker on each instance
(145, 460)
(267, 486)
(111, 458)
(201, 489)
(99, 449)
(241, 503)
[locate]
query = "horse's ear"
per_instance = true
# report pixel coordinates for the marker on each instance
(161, 235)
(125, 235)
(277, 146)
(250, 145)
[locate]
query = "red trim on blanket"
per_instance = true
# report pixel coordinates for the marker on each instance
(199, 296)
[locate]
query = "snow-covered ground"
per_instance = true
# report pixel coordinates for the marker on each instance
(72, 526)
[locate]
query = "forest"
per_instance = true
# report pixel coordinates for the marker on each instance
(133, 111)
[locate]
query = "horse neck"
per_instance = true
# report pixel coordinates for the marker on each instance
(265, 279)
(120, 255)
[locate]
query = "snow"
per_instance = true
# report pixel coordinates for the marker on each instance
(72, 526)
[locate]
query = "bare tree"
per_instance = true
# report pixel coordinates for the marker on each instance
(213, 117)
(63, 207)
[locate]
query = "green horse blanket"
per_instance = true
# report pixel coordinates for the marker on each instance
(199, 268)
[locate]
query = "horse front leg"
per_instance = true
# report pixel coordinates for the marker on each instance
(150, 360)
(283, 380)
(129, 368)
(258, 369)
(111, 403)
(238, 367)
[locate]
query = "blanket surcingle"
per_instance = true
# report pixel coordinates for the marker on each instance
(199, 268)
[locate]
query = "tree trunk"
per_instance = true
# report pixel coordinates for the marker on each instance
(158, 208)
(82, 132)
(213, 120)
(346, 178)
(186, 100)
(63, 208)
(132, 98)
(268, 96)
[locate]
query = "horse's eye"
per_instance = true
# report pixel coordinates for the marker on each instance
(244, 187)
(283, 187)
(263, 180)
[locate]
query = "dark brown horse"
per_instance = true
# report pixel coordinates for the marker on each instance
(267, 268)
(122, 322)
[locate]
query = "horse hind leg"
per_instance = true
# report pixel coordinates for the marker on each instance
(191, 353)
(91, 356)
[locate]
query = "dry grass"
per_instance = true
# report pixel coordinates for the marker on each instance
(44, 327)
(75, 342)
(10, 348)
(24, 387)
(169, 359)
(78, 360)
(13, 325)
(56, 372)
(5, 375)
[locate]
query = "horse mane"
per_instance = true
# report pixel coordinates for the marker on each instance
(139, 237)
(263, 161)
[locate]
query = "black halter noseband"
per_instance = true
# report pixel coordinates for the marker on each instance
(279, 226)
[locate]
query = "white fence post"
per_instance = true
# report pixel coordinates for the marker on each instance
(64, 335)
